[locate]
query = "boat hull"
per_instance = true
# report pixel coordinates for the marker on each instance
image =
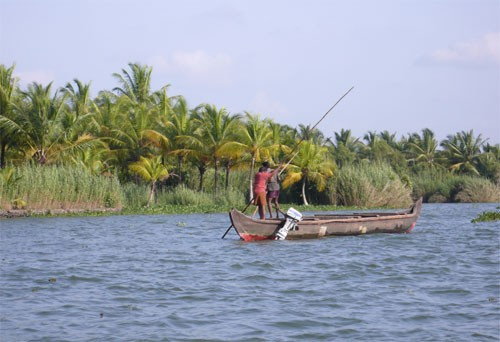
(311, 227)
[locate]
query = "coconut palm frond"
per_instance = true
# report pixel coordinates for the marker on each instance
(291, 178)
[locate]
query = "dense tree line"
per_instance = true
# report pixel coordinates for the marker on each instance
(132, 130)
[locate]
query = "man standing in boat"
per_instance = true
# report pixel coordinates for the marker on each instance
(273, 191)
(260, 186)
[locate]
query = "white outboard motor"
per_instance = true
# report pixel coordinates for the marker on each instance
(292, 218)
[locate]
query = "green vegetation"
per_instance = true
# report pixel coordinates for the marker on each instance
(487, 216)
(51, 187)
(139, 149)
(371, 185)
(150, 170)
(438, 186)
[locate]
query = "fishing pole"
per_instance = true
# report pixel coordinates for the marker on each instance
(297, 145)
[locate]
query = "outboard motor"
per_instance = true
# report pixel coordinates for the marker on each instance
(292, 218)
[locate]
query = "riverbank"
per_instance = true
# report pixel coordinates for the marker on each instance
(70, 191)
(160, 210)
(13, 213)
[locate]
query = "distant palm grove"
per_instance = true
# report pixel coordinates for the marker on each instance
(132, 146)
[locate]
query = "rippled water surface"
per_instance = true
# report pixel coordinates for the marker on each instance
(172, 278)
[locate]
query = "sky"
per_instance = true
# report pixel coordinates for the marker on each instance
(414, 64)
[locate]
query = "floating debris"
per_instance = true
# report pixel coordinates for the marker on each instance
(487, 216)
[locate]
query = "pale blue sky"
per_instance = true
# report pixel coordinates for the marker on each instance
(414, 64)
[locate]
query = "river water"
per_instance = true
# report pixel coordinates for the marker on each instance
(172, 278)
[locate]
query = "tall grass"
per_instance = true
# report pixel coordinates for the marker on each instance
(182, 195)
(53, 187)
(434, 185)
(363, 185)
(366, 184)
(478, 190)
(440, 186)
(136, 197)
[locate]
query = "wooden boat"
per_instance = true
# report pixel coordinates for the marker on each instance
(317, 226)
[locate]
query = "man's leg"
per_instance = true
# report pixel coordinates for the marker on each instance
(277, 206)
(269, 199)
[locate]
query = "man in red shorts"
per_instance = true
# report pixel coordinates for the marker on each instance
(259, 189)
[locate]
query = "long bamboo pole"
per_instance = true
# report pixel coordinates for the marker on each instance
(324, 116)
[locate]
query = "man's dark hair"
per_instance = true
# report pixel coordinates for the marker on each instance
(265, 164)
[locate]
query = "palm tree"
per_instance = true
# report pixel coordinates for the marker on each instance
(346, 138)
(135, 85)
(463, 150)
(280, 146)
(106, 119)
(390, 139)
(106, 116)
(78, 97)
(200, 157)
(255, 140)
(132, 117)
(424, 148)
(489, 162)
(312, 134)
(215, 130)
(77, 119)
(97, 160)
(371, 139)
(345, 148)
(181, 129)
(151, 170)
(310, 165)
(288, 135)
(8, 90)
(38, 123)
(163, 112)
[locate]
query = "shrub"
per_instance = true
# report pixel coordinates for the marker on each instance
(437, 186)
(182, 195)
(367, 184)
(432, 185)
(478, 190)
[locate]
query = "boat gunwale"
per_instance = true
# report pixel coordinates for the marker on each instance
(314, 220)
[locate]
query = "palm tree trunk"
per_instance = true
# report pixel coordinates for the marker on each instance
(228, 168)
(2, 154)
(151, 193)
(180, 160)
(216, 175)
(304, 190)
(202, 170)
